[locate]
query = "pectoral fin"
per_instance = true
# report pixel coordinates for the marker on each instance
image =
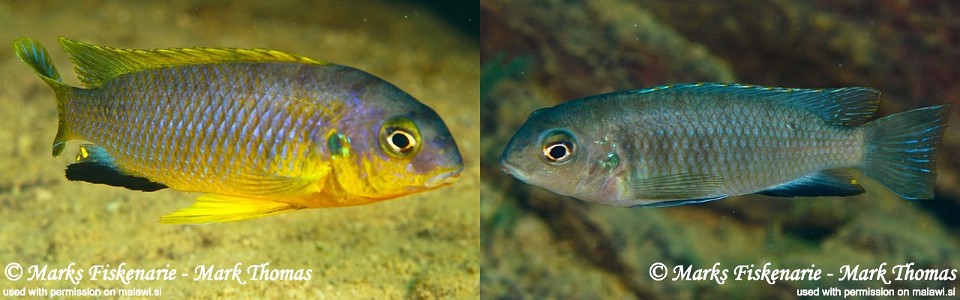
(670, 203)
(219, 208)
(257, 184)
(272, 185)
(677, 186)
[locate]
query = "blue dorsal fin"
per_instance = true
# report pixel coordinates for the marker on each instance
(824, 183)
(94, 165)
(849, 106)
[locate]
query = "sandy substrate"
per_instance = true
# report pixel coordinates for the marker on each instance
(420, 246)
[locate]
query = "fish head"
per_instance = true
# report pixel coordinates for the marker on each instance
(402, 146)
(554, 151)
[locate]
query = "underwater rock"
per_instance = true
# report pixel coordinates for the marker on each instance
(602, 48)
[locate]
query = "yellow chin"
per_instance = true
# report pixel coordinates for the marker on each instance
(377, 179)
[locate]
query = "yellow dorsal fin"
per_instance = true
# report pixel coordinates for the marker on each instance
(97, 64)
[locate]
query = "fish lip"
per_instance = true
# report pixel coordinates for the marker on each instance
(506, 167)
(444, 178)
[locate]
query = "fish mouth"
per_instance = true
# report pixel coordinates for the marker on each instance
(506, 167)
(444, 178)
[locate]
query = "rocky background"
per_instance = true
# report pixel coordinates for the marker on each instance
(537, 53)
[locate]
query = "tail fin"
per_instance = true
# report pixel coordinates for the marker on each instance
(35, 56)
(901, 150)
(32, 53)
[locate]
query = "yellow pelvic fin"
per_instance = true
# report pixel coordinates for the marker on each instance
(219, 208)
(97, 64)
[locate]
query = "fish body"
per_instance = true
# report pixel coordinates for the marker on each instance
(257, 131)
(690, 143)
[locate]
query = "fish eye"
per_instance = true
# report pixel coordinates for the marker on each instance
(558, 146)
(400, 141)
(558, 152)
(400, 137)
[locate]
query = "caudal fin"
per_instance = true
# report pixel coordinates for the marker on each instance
(35, 56)
(32, 53)
(901, 150)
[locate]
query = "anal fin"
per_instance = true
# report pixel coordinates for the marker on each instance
(94, 165)
(220, 208)
(824, 183)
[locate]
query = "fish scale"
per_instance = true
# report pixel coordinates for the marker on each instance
(691, 143)
(248, 128)
(169, 140)
(745, 172)
(176, 106)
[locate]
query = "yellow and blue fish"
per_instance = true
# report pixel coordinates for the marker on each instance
(257, 131)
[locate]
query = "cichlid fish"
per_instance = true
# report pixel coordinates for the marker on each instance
(691, 143)
(257, 131)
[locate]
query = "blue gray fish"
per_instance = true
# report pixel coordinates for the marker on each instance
(690, 143)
